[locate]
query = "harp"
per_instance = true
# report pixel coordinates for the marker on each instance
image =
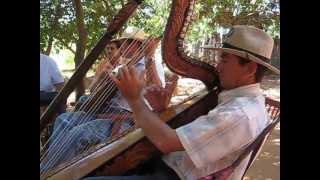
(132, 149)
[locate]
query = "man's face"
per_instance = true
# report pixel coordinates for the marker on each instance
(111, 50)
(129, 49)
(231, 73)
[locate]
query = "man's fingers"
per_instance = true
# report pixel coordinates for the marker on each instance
(142, 75)
(109, 66)
(115, 80)
(142, 78)
(126, 74)
(132, 72)
(120, 73)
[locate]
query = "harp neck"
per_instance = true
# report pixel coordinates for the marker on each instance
(172, 47)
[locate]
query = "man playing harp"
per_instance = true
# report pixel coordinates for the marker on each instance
(214, 141)
(77, 131)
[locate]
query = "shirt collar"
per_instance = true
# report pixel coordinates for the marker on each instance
(249, 90)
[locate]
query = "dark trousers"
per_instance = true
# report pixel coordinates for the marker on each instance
(47, 97)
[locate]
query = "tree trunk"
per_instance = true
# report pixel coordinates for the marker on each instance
(48, 50)
(81, 43)
(54, 25)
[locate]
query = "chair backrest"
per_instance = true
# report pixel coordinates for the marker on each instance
(273, 109)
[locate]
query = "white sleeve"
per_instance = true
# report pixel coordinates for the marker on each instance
(140, 67)
(55, 73)
(212, 137)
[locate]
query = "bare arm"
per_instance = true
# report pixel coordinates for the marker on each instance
(152, 76)
(160, 134)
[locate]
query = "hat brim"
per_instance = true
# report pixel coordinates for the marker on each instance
(247, 56)
(125, 38)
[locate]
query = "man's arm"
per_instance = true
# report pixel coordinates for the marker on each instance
(152, 76)
(159, 133)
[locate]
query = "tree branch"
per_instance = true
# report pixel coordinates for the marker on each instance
(67, 46)
(54, 25)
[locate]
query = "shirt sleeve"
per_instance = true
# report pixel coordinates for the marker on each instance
(211, 137)
(55, 73)
(140, 66)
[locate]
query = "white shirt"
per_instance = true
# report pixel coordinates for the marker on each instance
(214, 141)
(49, 74)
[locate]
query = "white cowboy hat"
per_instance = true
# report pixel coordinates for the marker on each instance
(250, 43)
(134, 33)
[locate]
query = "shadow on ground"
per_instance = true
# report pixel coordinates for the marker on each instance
(267, 164)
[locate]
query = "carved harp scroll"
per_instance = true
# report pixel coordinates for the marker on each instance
(173, 49)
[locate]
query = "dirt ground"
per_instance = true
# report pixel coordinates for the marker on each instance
(267, 164)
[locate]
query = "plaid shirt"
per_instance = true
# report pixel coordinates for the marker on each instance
(214, 141)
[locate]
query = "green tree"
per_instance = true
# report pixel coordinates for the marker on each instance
(59, 27)
(65, 23)
(78, 25)
(210, 15)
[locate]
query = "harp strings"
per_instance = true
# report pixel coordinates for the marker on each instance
(108, 86)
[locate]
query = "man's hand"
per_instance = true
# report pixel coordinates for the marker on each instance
(107, 67)
(129, 83)
(104, 69)
(158, 132)
(158, 97)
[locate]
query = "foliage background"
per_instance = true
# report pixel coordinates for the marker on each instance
(58, 19)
